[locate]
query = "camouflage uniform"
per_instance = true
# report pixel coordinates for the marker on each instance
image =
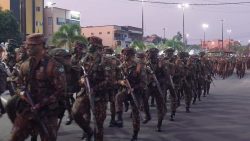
(44, 80)
(160, 70)
(98, 80)
(133, 72)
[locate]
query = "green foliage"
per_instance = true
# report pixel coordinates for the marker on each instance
(138, 45)
(9, 28)
(67, 35)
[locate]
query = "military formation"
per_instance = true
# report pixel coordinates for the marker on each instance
(44, 83)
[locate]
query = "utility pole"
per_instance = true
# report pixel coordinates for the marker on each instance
(222, 32)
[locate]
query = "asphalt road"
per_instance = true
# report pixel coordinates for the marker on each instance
(222, 116)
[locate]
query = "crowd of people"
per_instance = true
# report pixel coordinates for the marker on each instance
(45, 82)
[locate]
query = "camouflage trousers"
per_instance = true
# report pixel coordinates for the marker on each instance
(121, 96)
(172, 96)
(82, 115)
(160, 101)
(25, 125)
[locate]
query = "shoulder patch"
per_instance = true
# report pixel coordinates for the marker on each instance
(60, 69)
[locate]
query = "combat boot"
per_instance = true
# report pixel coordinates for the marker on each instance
(172, 116)
(158, 129)
(147, 119)
(68, 121)
(88, 136)
(187, 110)
(135, 135)
(119, 122)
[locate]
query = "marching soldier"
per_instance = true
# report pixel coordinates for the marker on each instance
(43, 85)
(156, 87)
(3, 76)
(135, 81)
(93, 97)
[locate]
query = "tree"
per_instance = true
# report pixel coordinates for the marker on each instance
(67, 35)
(138, 45)
(9, 28)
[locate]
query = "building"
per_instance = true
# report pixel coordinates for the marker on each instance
(29, 14)
(55, 17)
(217, 44)
(5, 4)
(114, 35)
(153, 39)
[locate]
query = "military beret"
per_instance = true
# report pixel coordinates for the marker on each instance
(128, 51)
(35, 39)
(169, 50)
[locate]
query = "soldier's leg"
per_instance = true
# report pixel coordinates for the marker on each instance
(188, 98)
(161, 108)
(112, 110)
(81, 114)
(69, 102)
(173, 104)
(21, 128)
(146, 107)
(136, 120)
(119, 99)
(100, 115)
(51, 124)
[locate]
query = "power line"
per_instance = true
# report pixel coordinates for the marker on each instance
(194, 4)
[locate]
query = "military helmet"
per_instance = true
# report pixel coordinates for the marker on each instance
(153, 51)
(140, 55)
(202, 54)
(108, 50)
(183, 55)
(95, 41)
(59, 53)
(169, 50)
(128, 51)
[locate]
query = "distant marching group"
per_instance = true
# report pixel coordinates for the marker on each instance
(45, 82)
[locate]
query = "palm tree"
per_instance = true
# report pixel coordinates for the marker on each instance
(67, 35)
(138, 45)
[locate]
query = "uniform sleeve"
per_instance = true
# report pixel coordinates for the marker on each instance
(59, 81)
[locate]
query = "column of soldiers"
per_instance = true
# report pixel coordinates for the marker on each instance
(49, 82)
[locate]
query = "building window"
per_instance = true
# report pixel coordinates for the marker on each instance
(50, 21)
(60, 21)
(92, 34)
(100, 33)
(38, 9)
(36, 23)
(108, 32)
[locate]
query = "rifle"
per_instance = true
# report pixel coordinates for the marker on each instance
(37, 117)
(90, 95)
(156, 81)
(131, 92)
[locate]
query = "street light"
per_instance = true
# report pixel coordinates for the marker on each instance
(142, 17)
(229, 33)
(51, 5)
(183, 6)
(187, 36)
(205, 27)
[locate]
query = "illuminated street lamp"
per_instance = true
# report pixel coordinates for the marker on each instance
(205, 27)
(229, 31)
(183, 6)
